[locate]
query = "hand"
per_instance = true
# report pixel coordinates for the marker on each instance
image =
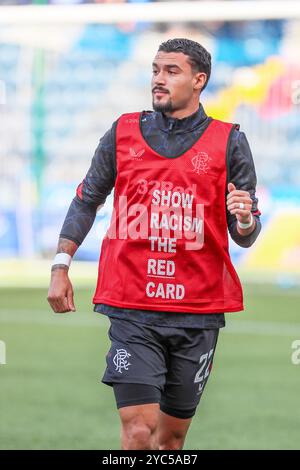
(234, 198)
(60, 294)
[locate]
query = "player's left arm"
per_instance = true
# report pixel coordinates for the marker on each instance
(241, 200)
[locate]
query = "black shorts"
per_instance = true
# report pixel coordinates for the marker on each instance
(176, 361)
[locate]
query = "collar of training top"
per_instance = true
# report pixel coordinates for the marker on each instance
(166, 123)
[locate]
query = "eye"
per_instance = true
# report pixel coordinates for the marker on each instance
(154, 72)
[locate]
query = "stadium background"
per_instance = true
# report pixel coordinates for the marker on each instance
(62, 84)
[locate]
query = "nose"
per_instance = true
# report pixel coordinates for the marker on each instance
(159, 78)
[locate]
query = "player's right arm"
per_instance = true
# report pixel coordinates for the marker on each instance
(60, 294)
(90, 196)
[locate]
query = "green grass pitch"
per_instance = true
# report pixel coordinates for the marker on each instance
(51, 396)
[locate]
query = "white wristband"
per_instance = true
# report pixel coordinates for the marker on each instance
(248, 225)
(62, 258)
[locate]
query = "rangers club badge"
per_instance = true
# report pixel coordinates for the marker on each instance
(200, 162)
(120, 360)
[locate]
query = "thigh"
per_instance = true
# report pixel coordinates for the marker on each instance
(191, 354)
(139, 427)
(136, 355)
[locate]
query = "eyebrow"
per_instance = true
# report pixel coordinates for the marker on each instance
(168, 66)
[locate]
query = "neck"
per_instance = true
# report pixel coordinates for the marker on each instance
(183, 113)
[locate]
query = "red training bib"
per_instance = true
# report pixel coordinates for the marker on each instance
(167, 245)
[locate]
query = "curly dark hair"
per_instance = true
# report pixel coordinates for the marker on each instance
(199, 57)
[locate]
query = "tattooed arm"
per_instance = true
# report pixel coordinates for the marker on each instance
(91, 194)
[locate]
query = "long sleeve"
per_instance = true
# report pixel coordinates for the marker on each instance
(93, 191)
(241, 172)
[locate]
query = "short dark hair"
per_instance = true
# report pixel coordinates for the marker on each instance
(199, 57)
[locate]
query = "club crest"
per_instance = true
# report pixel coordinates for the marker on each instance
(200, 162)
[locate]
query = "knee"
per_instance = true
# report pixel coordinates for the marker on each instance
(172, 441)
(138, 434)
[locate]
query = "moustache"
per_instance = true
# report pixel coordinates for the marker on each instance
(159, 89)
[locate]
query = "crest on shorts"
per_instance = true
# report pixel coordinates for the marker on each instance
(120, 360)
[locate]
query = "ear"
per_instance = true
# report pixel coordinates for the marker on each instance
(200, 80)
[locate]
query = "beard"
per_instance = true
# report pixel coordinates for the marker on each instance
(163, 107)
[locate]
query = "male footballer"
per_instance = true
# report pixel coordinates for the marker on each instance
(181, 180)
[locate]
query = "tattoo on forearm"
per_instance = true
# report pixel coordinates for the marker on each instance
(66, 246)
(55, 267)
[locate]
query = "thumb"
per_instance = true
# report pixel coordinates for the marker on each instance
(231, 187)
(71, 300)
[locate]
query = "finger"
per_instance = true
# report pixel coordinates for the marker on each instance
(53, 303)
(236, 198)
(58, 305)
(65, 304)
(70, 299)
(236, 205)
(62, 311)
(242, 212)
(61, 305)
(231, 187)
(238, 193)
